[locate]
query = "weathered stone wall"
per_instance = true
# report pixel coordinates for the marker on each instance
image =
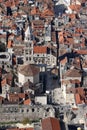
(19, 112)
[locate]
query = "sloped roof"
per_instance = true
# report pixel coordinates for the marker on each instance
(9, 44)
(35, 11)
(77, 98)
(50, 123)
(27, 102)
(47, 13)
(75, 7)
(82, 52)
(40, 49)
(28, 70)
(73, 73)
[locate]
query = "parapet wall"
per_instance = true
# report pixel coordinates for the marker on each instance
(19, 112)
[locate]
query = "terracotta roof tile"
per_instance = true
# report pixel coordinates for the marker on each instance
(35, 11)
(28, 70)
(50, 124)
(47, 13)
(61, 38)
(40, 49)
(70, 40)
(75, 81)
(73, 73)
(13, 97)
(64, 61)
(72, 16)
(9, 44)
(77, 98)
(82, 52)
(21, 95)
(75, 7)
(27, 102)
(80, 91)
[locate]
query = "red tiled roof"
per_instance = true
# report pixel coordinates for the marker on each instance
(29, 70)
(13, 97)
(61, 38)
(77, 98)
(72, 16)
(80, 91)
(35, 11)
(47, 13)
(21, 95)
(75, 7)
(12, 3)
(75, 81)
(50, 123)
(27, 102)
(82, 52)
(9, 44)
(70, 40)
(73, 73)
(40, 49)
(64, 61)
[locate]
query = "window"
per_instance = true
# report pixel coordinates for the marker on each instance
(26, 51)
(30, 58)
(27, 110)
(32, 109)
(26, 58)
(30, 44)
(30, 52)
(22, 110)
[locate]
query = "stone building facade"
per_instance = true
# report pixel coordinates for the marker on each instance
(16, 113)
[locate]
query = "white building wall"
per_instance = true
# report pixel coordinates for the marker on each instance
(64, 91)
(22, 79)
(28, 52)
(53, 60)
(47, 33)
(70, 99)
(10, 50)
(85, 69)
(40, 55)
(41, 99)
(5, 89)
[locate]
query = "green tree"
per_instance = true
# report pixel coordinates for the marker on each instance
(26, 121)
